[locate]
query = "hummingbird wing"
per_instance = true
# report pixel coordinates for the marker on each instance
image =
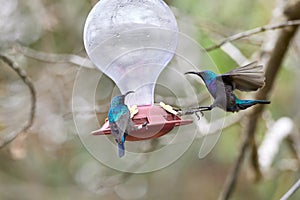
(246, 78)
(119, 126)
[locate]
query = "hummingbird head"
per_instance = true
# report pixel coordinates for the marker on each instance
(117, 100)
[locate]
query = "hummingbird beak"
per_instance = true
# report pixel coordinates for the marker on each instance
(128, 93)
(197, 73)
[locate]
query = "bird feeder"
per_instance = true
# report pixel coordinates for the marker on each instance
(132, 42)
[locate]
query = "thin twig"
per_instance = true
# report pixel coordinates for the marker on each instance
(254, 161)
(252, 32)
(22, 74)
(54, 58)
(291, 191)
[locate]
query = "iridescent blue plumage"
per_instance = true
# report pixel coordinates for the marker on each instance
(246, 78)
(119, 121)
(210, 81)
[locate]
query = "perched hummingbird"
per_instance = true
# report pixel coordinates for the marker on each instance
(120, 122)
(246, 78)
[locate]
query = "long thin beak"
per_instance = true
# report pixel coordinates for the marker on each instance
(128, 93)
(197, 73)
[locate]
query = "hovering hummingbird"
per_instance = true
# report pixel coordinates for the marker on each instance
(246, 78)
(120, 122)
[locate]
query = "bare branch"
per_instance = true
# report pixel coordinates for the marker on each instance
(231, 180)
(255, 161)
(252, 32)
(219, 32)
(22, 74)
(55, 58)
(273, 63)
(291, 191)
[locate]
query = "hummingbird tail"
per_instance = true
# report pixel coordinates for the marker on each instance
(263, 101)
(121, 149)
(243, 104)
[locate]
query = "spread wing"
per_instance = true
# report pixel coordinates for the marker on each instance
(246, 78)
(119, 126)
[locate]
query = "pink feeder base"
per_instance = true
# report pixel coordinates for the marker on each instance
(159, 122)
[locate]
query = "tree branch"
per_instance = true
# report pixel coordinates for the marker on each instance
(272, 67)
(22, 74)
(231, 179)
(291, 191)
(55, 58)
(252, 32)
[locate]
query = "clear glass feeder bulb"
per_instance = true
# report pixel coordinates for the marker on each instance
(131, 42)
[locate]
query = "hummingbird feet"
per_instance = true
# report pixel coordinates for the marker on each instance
(197, 115)
(200, 109)
(142, 126)
(204, 108)
(145, 125)
(191, 111)
(196, 111)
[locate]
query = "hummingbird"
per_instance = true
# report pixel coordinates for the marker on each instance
(247, 78)
(120, 121)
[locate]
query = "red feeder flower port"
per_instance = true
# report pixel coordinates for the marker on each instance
(159, 123)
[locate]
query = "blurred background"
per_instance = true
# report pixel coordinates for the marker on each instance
(48, 161)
